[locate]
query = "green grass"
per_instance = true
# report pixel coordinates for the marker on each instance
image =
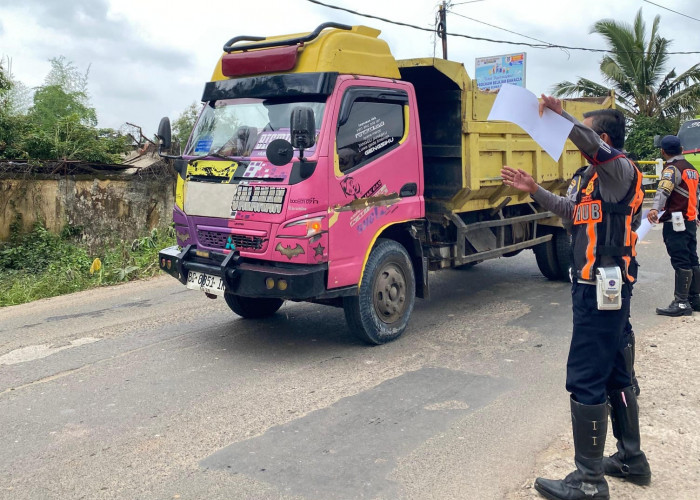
(39, 264)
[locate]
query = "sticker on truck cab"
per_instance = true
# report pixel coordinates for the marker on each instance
(203, 145)
(259, 199)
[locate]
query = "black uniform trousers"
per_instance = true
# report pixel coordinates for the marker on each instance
(596, 364)
(682, 246)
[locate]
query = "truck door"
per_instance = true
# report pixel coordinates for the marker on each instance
(376, 180)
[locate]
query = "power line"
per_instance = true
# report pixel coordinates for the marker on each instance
(371, 16)
(481, 39)
(464, 3)
(674, 11)
(497, 27)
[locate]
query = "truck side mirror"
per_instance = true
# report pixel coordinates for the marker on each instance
(164, 134)
(303, 128)
(657, 141)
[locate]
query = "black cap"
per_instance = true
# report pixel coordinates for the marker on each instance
(671, 143)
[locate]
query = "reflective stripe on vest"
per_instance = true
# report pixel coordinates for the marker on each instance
(684, 196)
(602, 228)
(690, 177)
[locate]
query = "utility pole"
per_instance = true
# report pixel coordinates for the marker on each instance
(442, 27)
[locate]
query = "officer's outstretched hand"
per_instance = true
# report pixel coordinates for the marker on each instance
(653, 216)
(519, 179)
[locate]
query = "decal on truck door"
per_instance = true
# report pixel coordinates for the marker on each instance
(371, 129)
(350, 187)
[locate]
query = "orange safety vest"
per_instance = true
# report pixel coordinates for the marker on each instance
(684, 196)
(603, 228)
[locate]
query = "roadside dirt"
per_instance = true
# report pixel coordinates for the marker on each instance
(668, 369)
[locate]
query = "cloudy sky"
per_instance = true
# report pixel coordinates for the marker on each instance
(150, 58)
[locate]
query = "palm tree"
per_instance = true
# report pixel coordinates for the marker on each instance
(636, 68)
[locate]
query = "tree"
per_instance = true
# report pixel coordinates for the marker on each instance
(52, 103)
(63, 94)
(61, 123)
(65, 75)
(640, 137)
(183, 125)
(16, 97)
(12, 127)
(636, 68)
(5, 88)
(19, 98)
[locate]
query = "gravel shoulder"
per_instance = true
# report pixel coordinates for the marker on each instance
(667, 367)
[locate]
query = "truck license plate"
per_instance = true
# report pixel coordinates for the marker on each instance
(206, 283)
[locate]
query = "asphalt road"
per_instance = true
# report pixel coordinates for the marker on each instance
(147, 390)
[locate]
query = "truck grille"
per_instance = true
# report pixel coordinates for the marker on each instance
(216, 239)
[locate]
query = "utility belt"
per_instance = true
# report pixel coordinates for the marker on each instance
(608, 285)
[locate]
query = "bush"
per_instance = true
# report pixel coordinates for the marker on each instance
(40, 264)
(640, 138)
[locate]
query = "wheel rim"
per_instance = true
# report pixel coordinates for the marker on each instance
(390, 293)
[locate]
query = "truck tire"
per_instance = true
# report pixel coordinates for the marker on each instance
(253, 307)
(554, 256)
(562, 247)
(380, 312)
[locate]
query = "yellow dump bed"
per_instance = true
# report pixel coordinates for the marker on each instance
(463, 152)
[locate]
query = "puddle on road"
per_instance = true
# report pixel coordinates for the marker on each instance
(34, 352)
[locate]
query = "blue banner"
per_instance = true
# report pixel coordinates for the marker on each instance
(492, 72)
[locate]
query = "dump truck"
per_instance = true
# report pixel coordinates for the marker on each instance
(689, 134)
(322, 169)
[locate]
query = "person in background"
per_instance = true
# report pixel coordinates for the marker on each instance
(678, 192)
(600, 205)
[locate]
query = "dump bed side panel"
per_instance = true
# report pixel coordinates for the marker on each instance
(463, 152)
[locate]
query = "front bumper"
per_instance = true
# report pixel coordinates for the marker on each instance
(246, 277)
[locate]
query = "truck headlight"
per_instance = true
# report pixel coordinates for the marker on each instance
(313, 226)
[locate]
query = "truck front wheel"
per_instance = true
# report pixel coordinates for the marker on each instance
(380, 312)
(252, 307)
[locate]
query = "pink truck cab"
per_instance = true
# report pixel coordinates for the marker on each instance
(321, 169)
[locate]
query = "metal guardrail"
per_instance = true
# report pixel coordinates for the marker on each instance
(659, 167)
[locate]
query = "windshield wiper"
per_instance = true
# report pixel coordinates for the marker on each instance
(216, 154)
(213, 155)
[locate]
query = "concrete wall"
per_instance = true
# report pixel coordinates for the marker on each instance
(123, 206)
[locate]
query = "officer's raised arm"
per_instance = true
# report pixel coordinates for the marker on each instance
(595, 143)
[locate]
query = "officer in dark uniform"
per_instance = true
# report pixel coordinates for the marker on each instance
(600, 205)
(678, 192)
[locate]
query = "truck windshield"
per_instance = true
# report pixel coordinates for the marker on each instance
(689, 134)
(232, 127)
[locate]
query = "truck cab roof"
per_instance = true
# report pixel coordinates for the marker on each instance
(331, 48)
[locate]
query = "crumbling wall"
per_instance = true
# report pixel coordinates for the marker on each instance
(108, 207)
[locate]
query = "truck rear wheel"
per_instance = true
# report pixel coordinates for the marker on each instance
(253, 307)
(554, 256)
(380, 312)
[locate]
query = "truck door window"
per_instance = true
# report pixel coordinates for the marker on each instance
(689, 134)
(372, 127)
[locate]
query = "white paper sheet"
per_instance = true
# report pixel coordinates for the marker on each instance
(645, 225)
(520, 106)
